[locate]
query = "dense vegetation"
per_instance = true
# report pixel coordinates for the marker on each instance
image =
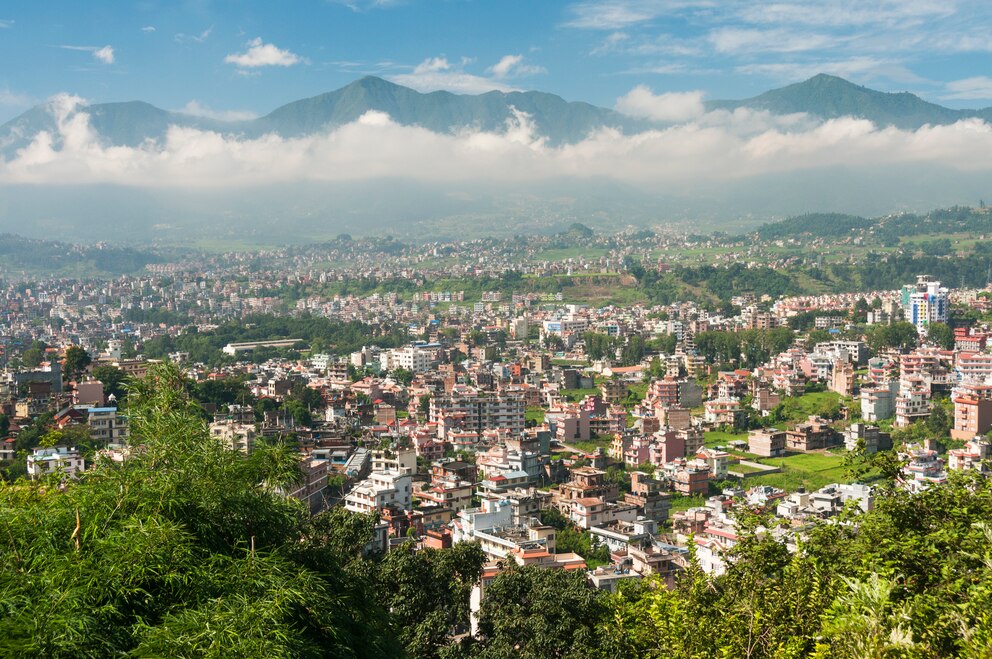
(19, 253)
(824, 225)
(316, 332)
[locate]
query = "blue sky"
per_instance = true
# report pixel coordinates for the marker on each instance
(246, 58)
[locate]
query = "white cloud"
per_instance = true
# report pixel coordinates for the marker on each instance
(717, 147)
(513, 66)
(642, 103)
(196, 109)
(263, 54)
(195, 38)
(613, 42)
(103, 54)
(618, 14)
(437, 73)
(6, 23)
(845, 13)
(969, 89)
(366, 5)
(148, 28)
(738, 41)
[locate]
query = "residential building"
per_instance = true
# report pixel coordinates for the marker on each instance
(465, 408)
(106, 425)
(879, 402)
(870, 437)
(812, 435)
(767, 442)
(973, 455)
(925, 302)
(234, 436)
(380, 490)
(972, 411)
(402, 459)
(47, 460)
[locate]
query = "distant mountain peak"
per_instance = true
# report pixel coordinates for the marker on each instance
(831, 97)
(826, 96)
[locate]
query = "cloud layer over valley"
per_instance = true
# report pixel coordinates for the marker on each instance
(693, 147)
(721, 169)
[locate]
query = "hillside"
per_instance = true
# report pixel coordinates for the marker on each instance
(830, 97)
(560, 121)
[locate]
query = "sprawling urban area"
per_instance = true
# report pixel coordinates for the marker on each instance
(622, 441)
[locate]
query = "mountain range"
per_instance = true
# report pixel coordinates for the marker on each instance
(561, 122)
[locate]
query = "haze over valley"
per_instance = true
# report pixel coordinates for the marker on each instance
(375, 156)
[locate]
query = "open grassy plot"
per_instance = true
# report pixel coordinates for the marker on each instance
(564, 253)
(714, 438)
(593, 444)
(809, 470)
(745, 469)
(578, 394)
(682, 502)
(535, 414)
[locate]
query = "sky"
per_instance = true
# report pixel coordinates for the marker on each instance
(657, 60)
(243, 59)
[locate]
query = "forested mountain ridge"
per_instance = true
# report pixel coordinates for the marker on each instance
(132, 123)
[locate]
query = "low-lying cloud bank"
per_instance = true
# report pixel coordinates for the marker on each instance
(701, 147)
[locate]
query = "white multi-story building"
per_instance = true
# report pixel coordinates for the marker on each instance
(380, 490)
(912, 405)
(321, 361)
(467, 409)
(46, 460)
(973, 366)
(105, 424)
(234, 436)
(410, 358)
(879, 402)
(402, 460)
(924, 303)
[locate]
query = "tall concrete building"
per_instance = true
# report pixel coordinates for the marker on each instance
(924, 303)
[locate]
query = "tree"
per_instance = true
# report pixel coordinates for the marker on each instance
(537, 612)
(939, 422)
(403, 376)
(901, 335)
(941, 335)
(76, 361)
(183, 549)
(427, 593)
(424, 405)
(222, 391)
(113, 380)
(860, 311)
(32, 357)
(301, 413)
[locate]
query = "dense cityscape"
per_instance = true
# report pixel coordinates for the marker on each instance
(573, 329)
(620, 442)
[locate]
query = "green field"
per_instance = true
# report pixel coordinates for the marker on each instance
(810, 404)
(535, 414)
(714, 438)
(745, 469)
(593, 444)
(569, 362)
(577, 395)
(682, 502)
(809, 470)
